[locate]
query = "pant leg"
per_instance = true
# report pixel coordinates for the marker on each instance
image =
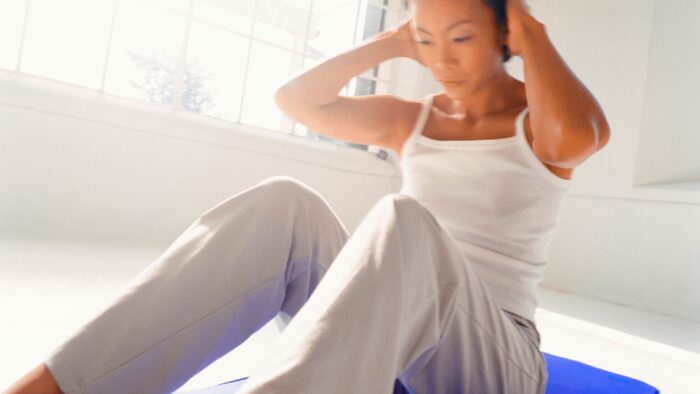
(398, 301)
(483, 351)
(258, 253)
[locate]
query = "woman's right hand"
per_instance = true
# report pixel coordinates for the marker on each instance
(402, 38)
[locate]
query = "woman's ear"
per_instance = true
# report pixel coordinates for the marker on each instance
(503, 40)
(505, 52)
(503, 36)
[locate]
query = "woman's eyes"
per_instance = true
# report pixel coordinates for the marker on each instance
(458, 39)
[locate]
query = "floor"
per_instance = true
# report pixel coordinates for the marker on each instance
(51, 287)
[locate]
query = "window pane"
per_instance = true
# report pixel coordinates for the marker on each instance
(381, 88)
(374, 21)
(234, 15)
(175, 5)
(143, 60)
(214, 79)
(322, 7)
(363, 87)
(333, 32)
(301, 130)
(383, 71)
(67, 40)
(11, 21)
(283, 22)
(269, 68)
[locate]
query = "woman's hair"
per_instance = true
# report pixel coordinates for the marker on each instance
(499, 9)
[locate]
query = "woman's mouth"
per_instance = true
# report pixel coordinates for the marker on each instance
(452, 83)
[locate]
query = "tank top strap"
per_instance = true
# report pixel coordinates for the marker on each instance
(422, 115)
(520, 122)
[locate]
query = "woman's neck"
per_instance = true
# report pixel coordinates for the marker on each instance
(496, 96)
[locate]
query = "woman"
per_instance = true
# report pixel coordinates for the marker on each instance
(437, 285)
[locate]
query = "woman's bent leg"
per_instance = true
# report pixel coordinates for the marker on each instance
(385, 300)
(395, 292)
(260, 252)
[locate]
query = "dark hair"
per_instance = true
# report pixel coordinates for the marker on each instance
(499, 9)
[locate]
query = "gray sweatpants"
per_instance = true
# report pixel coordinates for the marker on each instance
(395, 299)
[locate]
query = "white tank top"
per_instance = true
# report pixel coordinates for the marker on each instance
(499, 202)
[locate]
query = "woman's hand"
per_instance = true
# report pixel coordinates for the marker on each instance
(402, 40)
(406, 40)
(518, 16)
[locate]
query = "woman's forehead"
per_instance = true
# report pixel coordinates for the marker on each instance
(438, 16)
(436, 10)
(467, 4)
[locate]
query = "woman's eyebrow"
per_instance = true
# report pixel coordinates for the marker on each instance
(449, 28)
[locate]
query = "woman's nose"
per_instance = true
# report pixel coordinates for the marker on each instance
(445, 58)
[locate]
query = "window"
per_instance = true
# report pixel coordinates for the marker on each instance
(146, 43)
(12, 13)
(218, 58)
(56, 46)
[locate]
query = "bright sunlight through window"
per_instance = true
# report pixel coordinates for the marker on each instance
(217, 58)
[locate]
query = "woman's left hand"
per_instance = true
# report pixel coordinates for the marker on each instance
(517, 14)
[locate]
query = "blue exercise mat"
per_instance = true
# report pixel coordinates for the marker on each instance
(569, 376)
(565, 377)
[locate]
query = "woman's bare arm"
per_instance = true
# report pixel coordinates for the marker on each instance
(567, 121)
(311, 96)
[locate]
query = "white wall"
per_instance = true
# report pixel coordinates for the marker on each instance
(669, 137)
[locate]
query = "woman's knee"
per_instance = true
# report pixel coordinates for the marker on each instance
(274, 192)
(291, 190)
(278, 197)
(409, 207)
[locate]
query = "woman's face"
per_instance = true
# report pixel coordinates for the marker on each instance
(454, 50)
